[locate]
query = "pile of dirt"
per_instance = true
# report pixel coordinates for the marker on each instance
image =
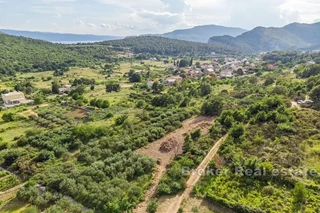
(168, 145)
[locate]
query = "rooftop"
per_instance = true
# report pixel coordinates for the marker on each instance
(12, 93)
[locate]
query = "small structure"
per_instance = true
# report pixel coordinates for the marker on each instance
(209, 71)
(12, 99)
(65, 89)
(172, 80)
(226, 73)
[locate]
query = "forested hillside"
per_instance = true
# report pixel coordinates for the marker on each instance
(291, 58)
(231, 42)
(165, 46)
(290, 37)
(19, 54)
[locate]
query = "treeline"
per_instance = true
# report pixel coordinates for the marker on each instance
(164, 46)
(291, 57)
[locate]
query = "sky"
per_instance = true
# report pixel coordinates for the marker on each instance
(135, 17)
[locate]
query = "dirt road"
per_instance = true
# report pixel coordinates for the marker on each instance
(153, 151)
(172, 205)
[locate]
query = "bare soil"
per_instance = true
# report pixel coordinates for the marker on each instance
(153, 150)
(172, 205)
(77, 113)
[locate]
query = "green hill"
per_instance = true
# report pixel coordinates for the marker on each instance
(20, 54)
(166, 46)
(291, 37)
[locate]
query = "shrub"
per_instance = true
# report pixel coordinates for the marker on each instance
(152, 206)
(237, 131)
(299, 193)
(45, 155)
(212, 107)
(120, 120)
(8, 116)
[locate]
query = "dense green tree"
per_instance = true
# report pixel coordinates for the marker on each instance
(157, 87)
(113, 87)
(212, 107)
(135, 77)
(269, 81)
(315, 94)
(55, 87)
(184, 63)
(205, 89)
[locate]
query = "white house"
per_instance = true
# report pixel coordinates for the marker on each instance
(170, 81)
(65, 89)
(12, 99)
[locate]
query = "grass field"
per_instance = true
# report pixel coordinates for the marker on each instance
(113, 97)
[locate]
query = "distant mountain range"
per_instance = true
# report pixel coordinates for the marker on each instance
(290, 37)
(60, 37)
(294, 36)
(203, 33)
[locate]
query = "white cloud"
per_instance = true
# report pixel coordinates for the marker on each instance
(165, 18)
(91, 25)
(303, 10)
(176, 6)
(131, 17)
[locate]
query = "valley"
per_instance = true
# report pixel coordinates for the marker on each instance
(119, 126)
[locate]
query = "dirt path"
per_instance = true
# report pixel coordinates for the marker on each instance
(153, 151)
(172, 205)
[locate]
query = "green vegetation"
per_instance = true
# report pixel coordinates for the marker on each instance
(35, 55)
(164, 46)
(76, 149)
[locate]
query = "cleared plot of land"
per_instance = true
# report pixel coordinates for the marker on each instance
(113, 97)
(153, 150)
(172, 205)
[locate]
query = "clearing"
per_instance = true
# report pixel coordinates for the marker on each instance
(173, 204)
(165, 158)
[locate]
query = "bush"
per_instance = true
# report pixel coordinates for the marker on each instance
(8, 116)
(237, 131)
(45, 155)
(152, 206)
(120, 120)
(212, 107)
(300, 193)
